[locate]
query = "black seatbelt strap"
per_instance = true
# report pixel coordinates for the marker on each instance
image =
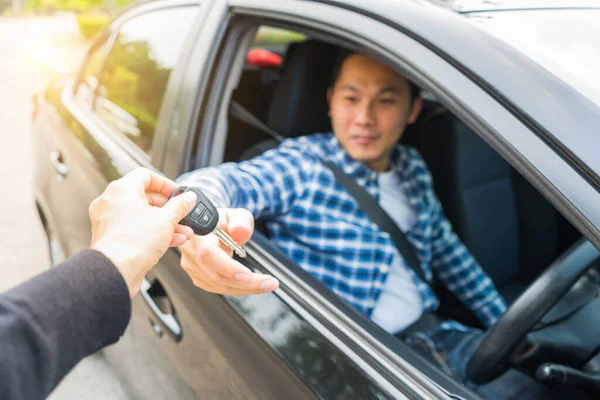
(379, 216)
(236, 110)
(367, 203)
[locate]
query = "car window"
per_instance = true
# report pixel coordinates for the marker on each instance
(137, 70)
(275, 40)
(500, 257)
(88, 81)
(261, 72)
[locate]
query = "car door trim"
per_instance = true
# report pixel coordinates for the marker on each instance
(378, 353)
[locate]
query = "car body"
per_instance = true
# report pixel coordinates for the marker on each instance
(302, 341)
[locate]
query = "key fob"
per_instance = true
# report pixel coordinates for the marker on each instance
(203, 218)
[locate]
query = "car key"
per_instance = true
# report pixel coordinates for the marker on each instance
(204, 218)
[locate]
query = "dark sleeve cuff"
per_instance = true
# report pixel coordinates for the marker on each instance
(80, 306)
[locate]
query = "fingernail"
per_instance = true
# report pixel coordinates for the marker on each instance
(244, 277)
(268, 285)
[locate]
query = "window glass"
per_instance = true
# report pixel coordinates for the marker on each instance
(134, 79)
(88, 82)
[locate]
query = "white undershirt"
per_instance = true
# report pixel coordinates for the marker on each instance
(400, 302)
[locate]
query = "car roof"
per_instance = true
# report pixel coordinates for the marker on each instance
(468, 6)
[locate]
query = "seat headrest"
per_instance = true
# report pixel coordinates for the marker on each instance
(299, 106)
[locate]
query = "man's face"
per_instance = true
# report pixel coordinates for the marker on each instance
(370, 106)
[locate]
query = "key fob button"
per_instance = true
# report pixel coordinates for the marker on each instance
(195, 214)
(198, 211)
(205, 218)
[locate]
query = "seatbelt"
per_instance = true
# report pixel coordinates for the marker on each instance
(238, 111)
(367, 203)
(379, 216)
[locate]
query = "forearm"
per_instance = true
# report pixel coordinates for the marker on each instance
(265, 185)
(463, 276)
(212, 183)
(476, 291)
(49, 323)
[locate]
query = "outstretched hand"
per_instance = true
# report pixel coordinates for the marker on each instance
(134, 223)
(210, 265)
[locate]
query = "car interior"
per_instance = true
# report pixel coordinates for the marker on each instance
(512, 230)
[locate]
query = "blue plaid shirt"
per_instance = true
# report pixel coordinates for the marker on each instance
(321, 226)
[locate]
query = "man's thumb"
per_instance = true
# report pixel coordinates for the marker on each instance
(179, 206)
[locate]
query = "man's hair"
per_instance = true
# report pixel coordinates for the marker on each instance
(343, 56)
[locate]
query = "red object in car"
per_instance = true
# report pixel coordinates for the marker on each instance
(263, 58)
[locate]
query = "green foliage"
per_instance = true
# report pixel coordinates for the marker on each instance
(122, 3)
(35, 4)
(92, 23)
(134, 77)
(135, 82)
(110, 6)
(267, 36)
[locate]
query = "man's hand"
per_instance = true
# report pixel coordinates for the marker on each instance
(134, 225)
(208, 261)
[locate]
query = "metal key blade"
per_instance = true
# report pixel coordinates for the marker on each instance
(225, 238)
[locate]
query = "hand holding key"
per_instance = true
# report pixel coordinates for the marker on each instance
(208, 258)
(133, 223)
(204, 218)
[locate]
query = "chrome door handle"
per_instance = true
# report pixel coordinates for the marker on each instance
(169, 322)
(57, 162)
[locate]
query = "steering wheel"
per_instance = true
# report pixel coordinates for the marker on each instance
(490, 360)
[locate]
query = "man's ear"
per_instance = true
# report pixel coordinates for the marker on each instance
(329, 95)
(417, 106)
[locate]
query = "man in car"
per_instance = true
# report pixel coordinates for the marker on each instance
(321, 226)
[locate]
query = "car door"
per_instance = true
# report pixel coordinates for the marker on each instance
(276, 345)
(302, 330)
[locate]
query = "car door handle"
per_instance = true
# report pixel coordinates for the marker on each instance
(156, 298)
(58, 163)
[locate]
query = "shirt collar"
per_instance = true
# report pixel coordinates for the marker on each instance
(356, 168)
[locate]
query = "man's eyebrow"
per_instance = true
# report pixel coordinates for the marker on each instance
(348, 86)
(390, 89)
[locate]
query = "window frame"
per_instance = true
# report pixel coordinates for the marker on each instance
(220, 90)
(347, 323)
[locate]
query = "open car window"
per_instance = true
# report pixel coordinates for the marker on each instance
(507, 224)
(260, 74)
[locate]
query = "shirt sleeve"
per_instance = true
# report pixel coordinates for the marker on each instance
(462, 275)
(451, 260)
(266, 185)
